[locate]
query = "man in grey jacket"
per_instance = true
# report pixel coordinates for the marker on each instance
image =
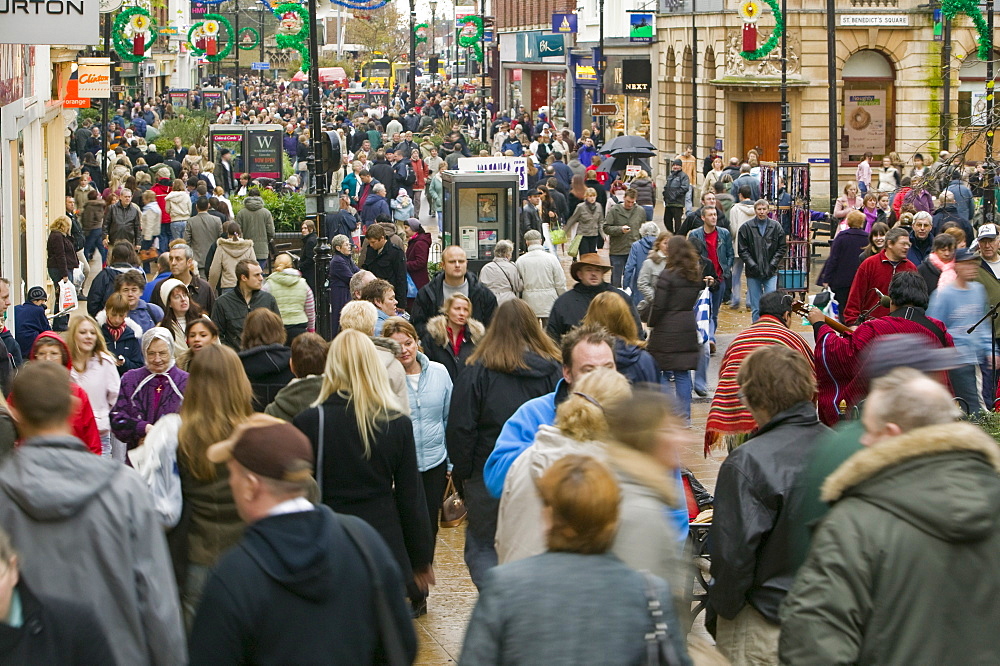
(85, 525)
(257, 224)
(200, 232)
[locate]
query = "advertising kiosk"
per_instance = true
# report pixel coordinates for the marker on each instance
(480, 208)
(256, 148)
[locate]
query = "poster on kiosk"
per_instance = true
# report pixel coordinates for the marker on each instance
(256, 148)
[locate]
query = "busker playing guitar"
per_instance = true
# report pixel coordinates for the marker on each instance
(839, 371)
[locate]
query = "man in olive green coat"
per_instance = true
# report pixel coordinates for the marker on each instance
(622, 227)
(903, 570)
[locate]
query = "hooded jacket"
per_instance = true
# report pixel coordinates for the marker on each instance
(914, 526)
(296, 397)
(93, 214)
(268, 370)
(741, 213)
(297, 587)
(103, 286)
(571, 307)
(438, 347)
(82, 420)
(483, 400)
(228, 253)
(128, 345)
(178, 205)
(388, 352)
(31, 321)
(151, 216)
(635, 363)
(257, 224)
(636, 255)
(294, 298)
(71, 514)
(430, 403)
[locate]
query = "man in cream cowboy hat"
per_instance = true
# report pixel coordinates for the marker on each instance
(589, 271)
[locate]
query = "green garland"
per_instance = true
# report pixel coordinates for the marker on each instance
(473, 41)
(298, 40)
(123, 46)
(256, 39)
(420, 39)
(772, 41)
(230, 37)
(951, 8)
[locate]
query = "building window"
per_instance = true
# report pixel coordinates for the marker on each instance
(868, 122)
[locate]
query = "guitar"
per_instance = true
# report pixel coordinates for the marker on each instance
(803, 309)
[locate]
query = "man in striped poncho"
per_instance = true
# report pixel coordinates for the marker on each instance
(729, 421)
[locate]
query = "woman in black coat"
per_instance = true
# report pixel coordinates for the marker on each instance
(674, 341)
(451, 337)
(845, 257)
(366, 457)
(514, 363)
(62, 261)
(265, 357)
(307, 258)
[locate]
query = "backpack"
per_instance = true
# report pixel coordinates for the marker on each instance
(76, 233)
(408, 175)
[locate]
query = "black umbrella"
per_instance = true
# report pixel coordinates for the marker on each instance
(627, 141)
(618, 163)
(632, 153)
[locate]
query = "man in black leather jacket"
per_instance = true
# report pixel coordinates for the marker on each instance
(757, 484)
(762, 247)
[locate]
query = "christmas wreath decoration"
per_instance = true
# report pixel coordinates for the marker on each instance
(211, 27)
(293, 30)
(363, 5)
(128, 24)
(772, 41)
(950, 8)
(253, 34)
(471, 34)
(420, 32)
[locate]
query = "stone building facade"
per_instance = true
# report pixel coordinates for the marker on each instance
(888, 64)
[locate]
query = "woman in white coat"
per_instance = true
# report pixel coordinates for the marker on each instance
(96, 372)
(543, 277)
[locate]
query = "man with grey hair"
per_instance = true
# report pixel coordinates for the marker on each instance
(915, 520)
(921, 239)
(500, 275)
(638, 253)
(358, 282)
(542, 276)
(375, 205)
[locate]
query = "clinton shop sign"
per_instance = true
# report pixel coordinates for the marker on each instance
(50, 21)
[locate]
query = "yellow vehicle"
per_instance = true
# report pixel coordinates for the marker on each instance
(400, 74)
(377, 73)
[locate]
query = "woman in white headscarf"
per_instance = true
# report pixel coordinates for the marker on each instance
(149, 392)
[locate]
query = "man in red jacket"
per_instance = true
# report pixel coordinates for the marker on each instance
(875, 273)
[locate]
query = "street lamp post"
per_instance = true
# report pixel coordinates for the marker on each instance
(831, 109)
(600, 62)
(433, 37)
(783, 146)
(694, 80)
(989, 177)
(413, 54)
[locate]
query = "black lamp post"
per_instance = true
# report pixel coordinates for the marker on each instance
(831, 81)
(413, 54)
(785, 117)
(989, 177)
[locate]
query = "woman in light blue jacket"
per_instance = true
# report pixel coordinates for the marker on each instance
(429, 386)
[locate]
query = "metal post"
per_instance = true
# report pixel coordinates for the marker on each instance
(413, 54)
(946, 83)
(831, 81)
(316, 119)
(600, 63)
(989, 177)
(694, 80)
(484, 113)
(107, 103)
(260, 32)
(783, 146)
(323, 255)
(237, 50)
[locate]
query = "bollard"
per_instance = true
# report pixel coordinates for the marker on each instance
(321, 258)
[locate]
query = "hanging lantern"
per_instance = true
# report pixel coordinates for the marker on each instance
(749, 11)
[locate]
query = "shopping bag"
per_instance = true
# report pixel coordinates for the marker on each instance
(558, 234)
(453, 511)
(703, 316)
(67, 297)
(411, 287)
(573, 249)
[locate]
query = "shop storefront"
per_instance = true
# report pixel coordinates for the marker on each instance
(534, 74)
(585, 90)
(627, 84)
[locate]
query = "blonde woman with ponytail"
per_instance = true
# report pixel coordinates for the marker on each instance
(366, 457)
(580, 428)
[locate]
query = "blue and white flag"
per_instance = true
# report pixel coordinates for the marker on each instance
(703, 316)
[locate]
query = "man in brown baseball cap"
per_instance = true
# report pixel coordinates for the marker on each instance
(589, 271)
(301, 582)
